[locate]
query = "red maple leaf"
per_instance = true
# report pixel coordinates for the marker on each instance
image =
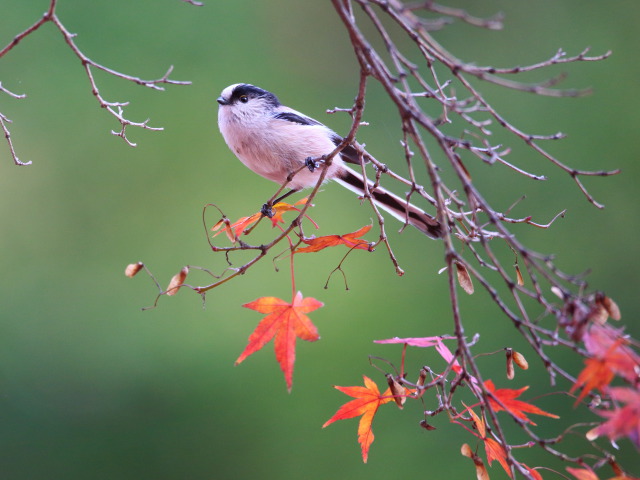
(609, 344)
(623, 421)
(611, 356)
(517, 408)
(350, 240)
(366, 403)
(286, 321)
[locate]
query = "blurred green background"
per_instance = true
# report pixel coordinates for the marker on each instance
(93, 387)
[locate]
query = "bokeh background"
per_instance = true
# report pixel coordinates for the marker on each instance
(93, 387)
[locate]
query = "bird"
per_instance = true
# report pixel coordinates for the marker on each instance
(276, 141)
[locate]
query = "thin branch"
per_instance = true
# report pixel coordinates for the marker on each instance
(114, 108)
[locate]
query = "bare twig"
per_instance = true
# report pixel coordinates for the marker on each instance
(114, 108)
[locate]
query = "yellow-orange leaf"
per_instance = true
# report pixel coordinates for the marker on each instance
(286, 321)
(495, 451)
(366, 403)
(281, 207)
(237, 228)
(349, 240)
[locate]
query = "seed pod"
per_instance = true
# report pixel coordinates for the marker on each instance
(557, 292)
(466, 450)
(422, 377)
(598, 314)
(464, 279)
(132, 269)
(510, 370)
(397, 390)
(611, 307)
(177, 281)
(519, 275)
(520, 361)
(420, 383)
(424, 424)
(481, 470)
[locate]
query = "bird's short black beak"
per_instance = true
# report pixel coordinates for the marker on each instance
(222, 101)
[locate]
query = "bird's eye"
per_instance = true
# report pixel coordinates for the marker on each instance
(244, 98)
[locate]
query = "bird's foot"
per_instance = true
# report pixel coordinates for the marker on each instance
(267, 211)
(311, 163)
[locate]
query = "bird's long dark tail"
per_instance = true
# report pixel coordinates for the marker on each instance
(396, 206)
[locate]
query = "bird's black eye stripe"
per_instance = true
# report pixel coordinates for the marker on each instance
(245, 92)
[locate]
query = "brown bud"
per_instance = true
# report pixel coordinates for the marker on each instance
(423, 376)
(510, 371)
(132, 269)
(397, 390)
(611, 307)
(421, 380)
(557, 292)
(177, 280)
(519, 275)
(464, 279)
(424, 424)
(592, 434)
(466, 450)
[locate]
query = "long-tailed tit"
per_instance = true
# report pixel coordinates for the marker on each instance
(275, 141)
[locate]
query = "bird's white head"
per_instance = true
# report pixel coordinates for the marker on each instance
(244, 101)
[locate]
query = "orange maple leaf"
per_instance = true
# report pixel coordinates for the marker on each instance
(366, 403)
(495, 451)
(534, 473)
(517, 408)
(286, 321)
(596, 374)
(582, 473)
(350, 240)
(236, 229)
(611, 356)
(281, 207)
